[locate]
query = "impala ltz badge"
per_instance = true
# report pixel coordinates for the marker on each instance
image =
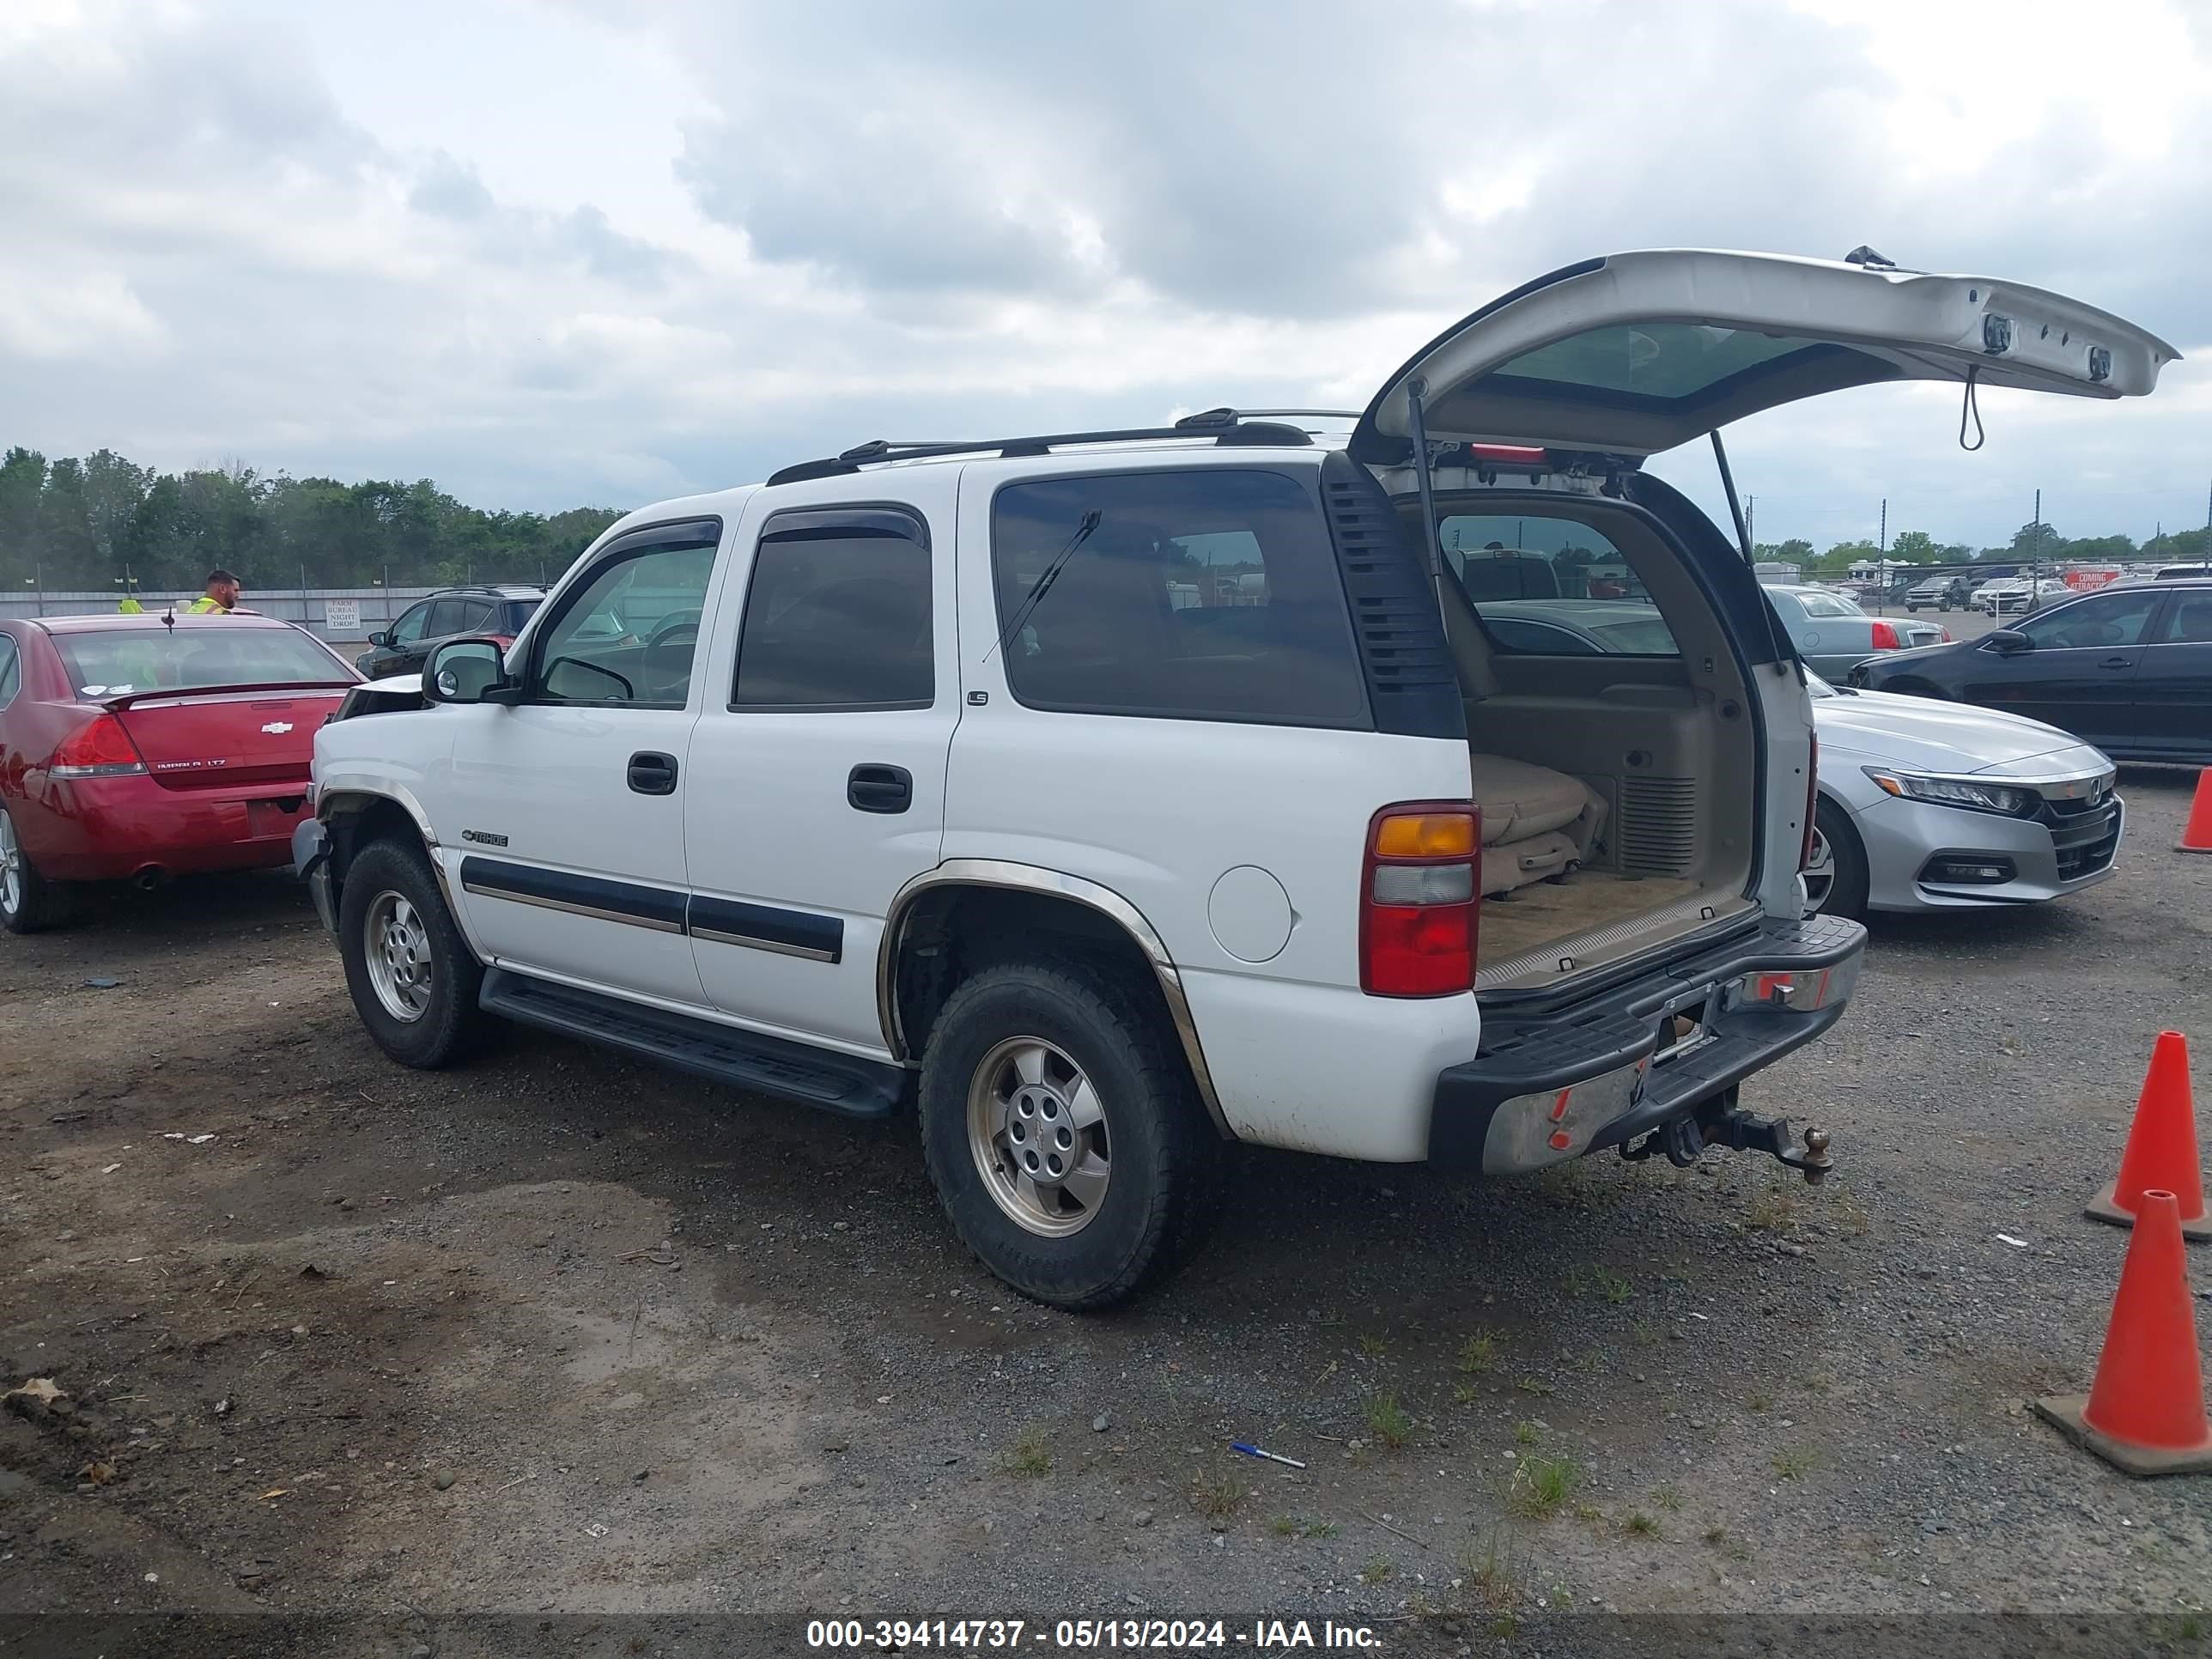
(277, 728)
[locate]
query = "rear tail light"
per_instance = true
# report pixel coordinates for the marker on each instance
(99, 749)
(1946, 636)
(1885, 636)
(1420, 902)
(1812, 800)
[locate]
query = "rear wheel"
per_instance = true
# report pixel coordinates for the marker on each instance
(1836, 878)
(1063, 1132)
(28, 902)
(413, 978)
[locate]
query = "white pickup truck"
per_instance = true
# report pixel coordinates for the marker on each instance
(1111, 796)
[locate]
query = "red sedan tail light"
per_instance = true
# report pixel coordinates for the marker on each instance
(101, 748)
(1885, 636)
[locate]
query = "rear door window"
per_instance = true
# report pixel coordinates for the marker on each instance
(1547, 586)
(2109, 619)
(447, 617)
(837, 615)
(2191, 621)
(1197, 594)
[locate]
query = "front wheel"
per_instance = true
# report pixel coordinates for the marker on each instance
(413, 978)
(1063, 1132)
(29, 902)
(1836, 877)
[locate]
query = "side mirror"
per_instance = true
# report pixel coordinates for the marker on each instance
(468, 671)
(2008, 642)
(380, 638)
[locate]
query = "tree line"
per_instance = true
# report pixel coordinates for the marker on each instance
(85, 525)
(88, 525)
(2030, 542)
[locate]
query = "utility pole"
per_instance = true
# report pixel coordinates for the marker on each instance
(2035, 552)
(1751, 521)
(1881, 561)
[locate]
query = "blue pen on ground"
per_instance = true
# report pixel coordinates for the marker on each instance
(1272, 1457)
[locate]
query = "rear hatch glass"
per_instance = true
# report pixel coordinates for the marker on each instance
(203, 703)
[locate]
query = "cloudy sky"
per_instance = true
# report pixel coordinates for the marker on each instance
(554, 252)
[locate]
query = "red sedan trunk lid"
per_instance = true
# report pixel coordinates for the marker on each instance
(221, 738)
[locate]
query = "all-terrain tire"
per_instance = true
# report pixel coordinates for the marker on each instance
(450, 1025)
(1165, 1156)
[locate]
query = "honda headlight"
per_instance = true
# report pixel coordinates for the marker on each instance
(1972, 793)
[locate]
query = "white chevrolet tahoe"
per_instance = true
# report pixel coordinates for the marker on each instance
(1111, 797)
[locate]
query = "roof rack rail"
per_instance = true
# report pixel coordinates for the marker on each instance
(1224, 426)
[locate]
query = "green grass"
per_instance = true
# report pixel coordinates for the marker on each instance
(1527, 1434)
(1589, 1513)
(1533, 1385)
(1574, 1281)
(1377, 1569)
(1217, 1496)
(1773, 1210)
(1540, 1484)
(1640, 1525)
(1668, 1497)
(1477, 1353)
(1493, 1571)
(1388, 1421)
(1372, 1346)
(1795, 1462)
(1612, 1287)
(1645, 1333)
(1759, 1399)
(1291, 1526)
(1732, 1547)
(1030, 1456)
(1465, 1394)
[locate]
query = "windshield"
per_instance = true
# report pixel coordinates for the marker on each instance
(115, 664)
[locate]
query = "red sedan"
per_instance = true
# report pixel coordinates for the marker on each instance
(139, 748)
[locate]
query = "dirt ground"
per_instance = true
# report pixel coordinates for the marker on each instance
(560, 1353)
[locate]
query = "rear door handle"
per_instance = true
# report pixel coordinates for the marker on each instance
(651, 773)
(872, 788)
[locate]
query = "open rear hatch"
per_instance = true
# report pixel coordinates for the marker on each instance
(225, 737)
(1636, 353)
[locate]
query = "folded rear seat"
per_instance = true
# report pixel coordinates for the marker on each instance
(1536, 822)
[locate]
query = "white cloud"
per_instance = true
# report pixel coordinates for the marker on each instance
(593, 249)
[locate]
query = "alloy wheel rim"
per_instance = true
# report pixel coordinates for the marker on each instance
(397, 949)
(11, 866)
(1037, 1130)
(1820, 873)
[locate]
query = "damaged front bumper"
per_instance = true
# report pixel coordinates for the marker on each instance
(1658, 1054)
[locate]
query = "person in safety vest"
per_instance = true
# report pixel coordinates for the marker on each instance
(131, 607)
(220, 597)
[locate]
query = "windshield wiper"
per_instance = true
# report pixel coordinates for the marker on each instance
(1050, 574)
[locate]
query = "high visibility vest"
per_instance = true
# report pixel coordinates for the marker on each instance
(131, 607)
(206, 606)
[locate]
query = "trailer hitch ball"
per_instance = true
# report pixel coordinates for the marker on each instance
(1815, 1161)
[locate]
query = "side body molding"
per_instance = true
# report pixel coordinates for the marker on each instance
(1026, 878)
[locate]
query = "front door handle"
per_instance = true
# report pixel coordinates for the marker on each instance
(2117, 662)
(651, 773)
(879, 788)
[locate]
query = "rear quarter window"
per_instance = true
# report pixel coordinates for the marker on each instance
(1197, 594)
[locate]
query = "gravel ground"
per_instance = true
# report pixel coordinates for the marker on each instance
(557, 1335)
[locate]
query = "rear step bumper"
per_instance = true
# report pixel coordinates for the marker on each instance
(1643, 1054)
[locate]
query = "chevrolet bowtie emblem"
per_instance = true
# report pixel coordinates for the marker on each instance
(277, 728)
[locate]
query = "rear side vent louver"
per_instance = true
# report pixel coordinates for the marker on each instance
(1410, 680)
(1657, 831)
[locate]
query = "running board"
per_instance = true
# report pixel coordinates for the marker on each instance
(744, 1060)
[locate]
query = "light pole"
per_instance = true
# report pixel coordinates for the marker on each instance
(37, 579)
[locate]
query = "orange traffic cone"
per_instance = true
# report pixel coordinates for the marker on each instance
(2145, 1413)
(2161, 1150)
(2197, 836)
